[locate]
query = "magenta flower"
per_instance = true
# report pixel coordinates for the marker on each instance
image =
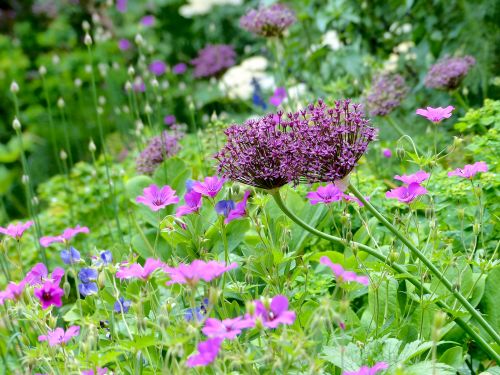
(68, 234)
(124, 44)
(148, 21)
(16, 230)
(179, 68)
(417, 177)
(135, 270)
(278, 96)
(352, 198)
(343, 275)
(49, 294)
(157, 67)
(365, 370)
(156, 198)
(210, 187)
(470, 170)
(207, 352)
(196, 271)
(227, 328)
(59, 336)
(121, 6)
(325, 194)
(407, 194)
(387, 153)
(39, 273)
(100, 371)
(436, 115)
(240, 210)
(169, 120)
(276, 314)
(193, 204)
(12, 292)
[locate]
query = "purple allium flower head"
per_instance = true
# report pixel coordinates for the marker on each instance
(227, 328)
(136, 271)
(317, 144)
(407, 194)
(157, 67)
(124, 44)
(198, 270)
(224, 207)
(49, 293)
(179, 68)
(70, 256)
(207, 352)
(16, 230)
(210, 187)
(158, 150)
(387, 153)
(148, 20)
(436, 115)
(470, 170)
(268, 21)
(417, 177)
(59, 336)
(121, 6)
(278, 96)
(68, 234)
(169, 120)
(341, 274)
(213, 60)
(157, 198)
(275, 314)
(386, 93)
(193, 201)
(365, 370)
(325, 194)
(122, 305)
(448, 73)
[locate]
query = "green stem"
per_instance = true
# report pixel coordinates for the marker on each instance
(396, 267)
(434, 270)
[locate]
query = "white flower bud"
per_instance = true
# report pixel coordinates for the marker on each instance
(102, 100)
(128, 86)
(131, 71)
(92, 147)
(42, 70)
(96, 18)
(100, 110)
(139, 126)
(35, 201)
(138, 40)
(154, 82)
(56, 60)
(126, 109)
(63, 155)
(16, 124)
(148, 109)
(60, 103)
(78, 82)
(87, 40)
(25, 179)
(14, 87)
(88, 69)
(85, 25)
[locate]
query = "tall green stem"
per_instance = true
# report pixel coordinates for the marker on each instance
(434, 270)
(396, 267)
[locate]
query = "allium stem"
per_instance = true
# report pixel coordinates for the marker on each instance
(428, 263)
(396, 267)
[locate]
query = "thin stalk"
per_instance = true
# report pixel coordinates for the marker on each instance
(432, 268)
(396, 267)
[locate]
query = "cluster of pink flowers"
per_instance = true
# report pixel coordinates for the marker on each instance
(469, 170)
(198, 270)
(411, 188)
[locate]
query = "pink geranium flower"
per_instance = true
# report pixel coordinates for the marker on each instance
(276, 314)
(210, 187)
(193, 204)
(156, 198)
(196, 271)
(49, 294)
(39, 273)
(278, 96)
(59, 336)
(417, 177)
(100, 371)
(227, 328)
(407, 194)
(207, 352)
(13, 291)
(325, 194)
(365, 370)
(470, 170)
(139, 272)
(240, 210)
(68, 234)
(435, 115)
(341, 274)
(16, 230)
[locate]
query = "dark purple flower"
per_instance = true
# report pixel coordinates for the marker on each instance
(179, 68)
(268, 21)
(169, 120)
(224, 207)
(386, 93)
(124, 44)
(157, 67)
(122, 305)
(49, 293)
(275, 314)
(148, 21)
(158, 150)
(70, 256)
(213, 60)
(387, 153)
(193, 201)
(448, 73)
(207, 352)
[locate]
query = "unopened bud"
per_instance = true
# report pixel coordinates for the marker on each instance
(25, 179)
(400, 152)
(78, 82)
(393, 256)
(139, 125)
(461, 213)
(63, 155)
(16, 124)
(56, 59)
(35, 201)
(138, 40)
(60, 103)
(92, 147)
(128, 86)
(100, 110)
(87, 40)
(131, 71)
(85, 25)
(42, 70)
(14, 87)
(476, 228)
(148, 109)
(67, 289)
(154, 82)
(102, 100)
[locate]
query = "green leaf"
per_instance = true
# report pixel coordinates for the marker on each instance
(144, 244)
(491, 298)
(453, 357)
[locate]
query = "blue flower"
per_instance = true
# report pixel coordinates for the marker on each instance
(106, 257)
(257, 97)
(224, 207)
(70, 256)
(87, 289)
(190, 314)
(189, 185)
(86, 275)
(122, 304)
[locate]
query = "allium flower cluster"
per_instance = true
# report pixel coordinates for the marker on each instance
(158, 149)
(317, 144)
(448, 73)
(268, 21)
(213, 59)
(387, 92)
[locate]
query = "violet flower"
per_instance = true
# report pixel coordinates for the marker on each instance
(386, 153)
(16, 231)
(193, 204)
(276, 314)
(157, 67)
(148, 20)
(325, 194)
(198, 270)
(58, 336)
(270, 21)
(365, 370)
(121, 6)
(386, 93)
(207, 352)
(278, 96)
(179, 68)
(169, 120)
(240, 210)
(135, 270)
(448, 73)
(436, 115)
(417, 177)
(469, 170)
(157, 198)
(407, 194)
(159, 149)
(343, 275)
(227, 328)
(122, 305)
(224, 207)
(39, 273)
(49, 293)
(106, 257)
(213, 60)
(87, 277)
(210, 187)
(124, 44)
(70, 256)
(13, 291)
(68, 234)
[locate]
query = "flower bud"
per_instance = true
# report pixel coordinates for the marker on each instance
(78, 82)
(92, 147)
(138, 40)
(56, 59)
(102, 100)
(461, 213)
(63, 155)
(148, 109)
(85, 25)
(154, 83)
(25, 179)
(131, 71)
(393, 256)
(87, 40)
(42, 70)
(14, 87)
(67, 289)
(476, 228)
(35, 201)
(400, 152)
(128, 86)
(16, 124)
(60, 103)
